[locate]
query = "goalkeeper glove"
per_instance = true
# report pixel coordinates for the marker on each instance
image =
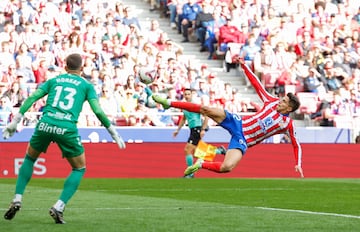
(10, 129)
(120, 142)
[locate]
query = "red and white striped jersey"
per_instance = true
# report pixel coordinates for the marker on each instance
(267, 121)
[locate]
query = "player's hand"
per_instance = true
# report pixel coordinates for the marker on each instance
(10, 129)
(202, 133)
(240, 60)
(175, 133)
(119, 141)
(299, 170)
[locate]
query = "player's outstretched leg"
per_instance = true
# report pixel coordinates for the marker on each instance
(189, 106)
(13, 208)
(193, 168)
(57, 216)
(164, 102)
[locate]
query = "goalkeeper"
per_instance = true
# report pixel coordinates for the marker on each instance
(66, 94)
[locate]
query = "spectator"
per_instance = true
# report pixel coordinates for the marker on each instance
(312, 82)
(25, 73)
(172, 6)
(15, 95)
(248, 53)
(265, 62)
(122, 30)
(190, 10)
(320, 16)
(230, 33)
(63, 19)
(154, 32)
(29, 36)
(128, 103)
(46, 54)
(108, 103)
(357, 16)
(129, 18)
(324, 115)
(9, 76)
(161, 42)
(24, 57)
(302, 48)
(40, 68)
(204, 26)
(141, 115)
(6, 57)
(332, 82)
(75, 43)
(5, 110)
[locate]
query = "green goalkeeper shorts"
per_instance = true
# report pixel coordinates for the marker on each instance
(66, 138)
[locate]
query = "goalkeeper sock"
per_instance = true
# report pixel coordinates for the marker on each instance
(189, 160)
(25, 174)
(71, 184)
(17, 198)
(212, 166)
(189, 106)
(59, 206)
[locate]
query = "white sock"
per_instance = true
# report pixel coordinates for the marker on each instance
(17, 198)
(59, 206)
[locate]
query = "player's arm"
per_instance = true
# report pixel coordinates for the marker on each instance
(181, 124)
(297, 150)
(10, 129)
(39, 93)
(204, 126)
(100, 114)
(255, 82)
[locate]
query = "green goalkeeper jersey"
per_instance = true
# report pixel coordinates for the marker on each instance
(66, 94)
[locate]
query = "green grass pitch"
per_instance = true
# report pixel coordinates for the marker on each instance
(190, 205)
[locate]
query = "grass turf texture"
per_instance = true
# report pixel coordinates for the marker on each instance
(190, 205)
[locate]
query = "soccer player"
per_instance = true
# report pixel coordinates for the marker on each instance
(246, 131)
(197, 127)
(66, 94)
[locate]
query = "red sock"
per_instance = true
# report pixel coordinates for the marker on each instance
(189, 106)
(212, 166)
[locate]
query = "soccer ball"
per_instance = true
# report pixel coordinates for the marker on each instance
(147, 75)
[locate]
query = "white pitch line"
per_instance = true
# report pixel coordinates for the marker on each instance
(154, 190)
(310, 212)
(203, 207)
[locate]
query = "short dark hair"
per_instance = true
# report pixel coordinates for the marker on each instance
(294, 101)
(74, 61)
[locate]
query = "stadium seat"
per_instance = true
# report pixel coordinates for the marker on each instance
(269, 80)
(308, 105)
(308, 102)
(344, 122)
(290, 89)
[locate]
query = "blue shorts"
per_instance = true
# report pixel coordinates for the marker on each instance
(233, 124)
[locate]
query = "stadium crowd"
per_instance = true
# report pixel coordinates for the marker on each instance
(308, 47)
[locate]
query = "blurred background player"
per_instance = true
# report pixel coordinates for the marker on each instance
(66, 94)
(197, 125)
(246, 131)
